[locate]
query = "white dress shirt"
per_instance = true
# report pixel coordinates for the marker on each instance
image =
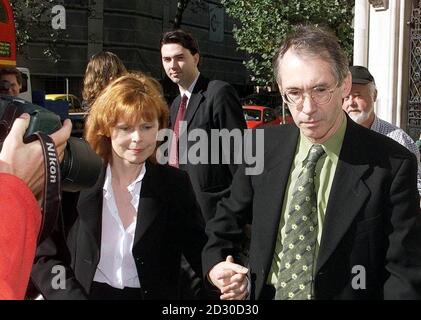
(116, 266)
(189, 91)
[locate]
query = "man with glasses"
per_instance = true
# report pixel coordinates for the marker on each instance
(10, 81)
(335, 214)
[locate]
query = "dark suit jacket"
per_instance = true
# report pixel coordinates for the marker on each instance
(169, 224)
(212, 105)
(372, 217)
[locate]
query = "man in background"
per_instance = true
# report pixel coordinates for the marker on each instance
(10, 81)
(359, 105)
(202, 104)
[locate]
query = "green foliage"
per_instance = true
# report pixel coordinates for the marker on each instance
(263, 24)
(33, 24)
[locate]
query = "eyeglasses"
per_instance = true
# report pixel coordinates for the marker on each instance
(319, 95)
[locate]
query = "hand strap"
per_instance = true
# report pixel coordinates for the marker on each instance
(52, 186)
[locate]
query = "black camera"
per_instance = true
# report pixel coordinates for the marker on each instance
(4, 86)
(80, 167)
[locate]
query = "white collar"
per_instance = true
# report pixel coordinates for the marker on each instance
(108, 178)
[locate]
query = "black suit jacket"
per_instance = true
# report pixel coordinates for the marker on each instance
(212, 105)
(169, 224)
(372, 217)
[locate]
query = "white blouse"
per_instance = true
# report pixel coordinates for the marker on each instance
(116, 266)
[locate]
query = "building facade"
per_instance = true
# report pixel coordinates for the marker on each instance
(132, 29)
(387, 40)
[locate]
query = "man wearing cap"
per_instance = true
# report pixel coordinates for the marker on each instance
(359, 105)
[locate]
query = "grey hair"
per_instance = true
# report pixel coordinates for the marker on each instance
(372, 86)
(314, 41)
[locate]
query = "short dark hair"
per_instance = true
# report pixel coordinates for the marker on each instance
(181, 37)
(318, 42)
(16, 72)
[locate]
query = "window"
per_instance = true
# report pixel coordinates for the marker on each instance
(268, 115)
(251, 115)
(3, 13)
(76, 103)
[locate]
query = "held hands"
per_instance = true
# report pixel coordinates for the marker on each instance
(231, 279)
(26, 161)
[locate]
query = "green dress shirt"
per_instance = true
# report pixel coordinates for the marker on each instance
(325, 171)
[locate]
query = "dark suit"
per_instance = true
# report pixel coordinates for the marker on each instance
(372, 218)
(169, 224)
(212, 105)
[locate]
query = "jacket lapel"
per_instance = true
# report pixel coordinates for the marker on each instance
(150, 205)
(196, 99)
(173, 110)
(275, 179)
(347, 195)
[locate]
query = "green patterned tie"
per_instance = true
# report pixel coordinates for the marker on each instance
(295, 277)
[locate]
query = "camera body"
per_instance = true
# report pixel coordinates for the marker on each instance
(80, 167)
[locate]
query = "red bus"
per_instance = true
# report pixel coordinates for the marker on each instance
(7, 35)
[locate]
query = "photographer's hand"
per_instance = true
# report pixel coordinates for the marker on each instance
(26, 161)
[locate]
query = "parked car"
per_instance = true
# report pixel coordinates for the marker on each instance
(257, 116)
(74, 103)
(75, 111)
(268, 99)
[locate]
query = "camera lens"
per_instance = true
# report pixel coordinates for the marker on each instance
(80, 166)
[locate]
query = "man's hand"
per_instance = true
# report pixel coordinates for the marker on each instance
(26, 161)
(231, 279)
